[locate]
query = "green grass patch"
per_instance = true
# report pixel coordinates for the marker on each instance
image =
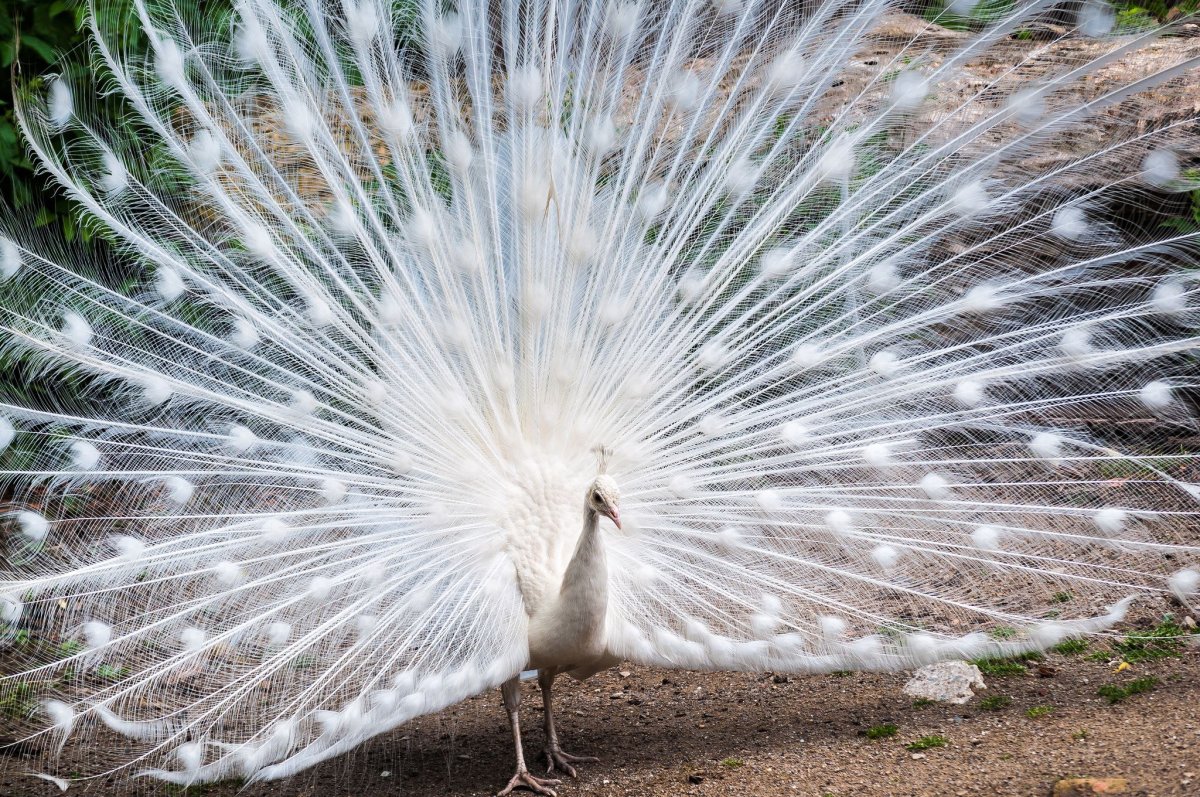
(732, 763)
(882, 731)
(1164, 640)
(1071, 647)
(18, 701)
(994, 702)
(69, 648)
(1012, 665)
(1061, 597)
(111, 672)
(1000, 666)
(1033, 712)
(923, 702)
(1115, 693)
(927, 742)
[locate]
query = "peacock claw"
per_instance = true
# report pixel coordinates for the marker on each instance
(563, 761)
(523, 779)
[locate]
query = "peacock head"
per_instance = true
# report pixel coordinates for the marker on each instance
(604, 498)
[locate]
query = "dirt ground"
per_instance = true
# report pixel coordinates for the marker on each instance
(663, 732)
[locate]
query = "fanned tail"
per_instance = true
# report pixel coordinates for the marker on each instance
(883, 325)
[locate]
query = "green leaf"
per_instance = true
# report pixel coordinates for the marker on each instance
(43, 48)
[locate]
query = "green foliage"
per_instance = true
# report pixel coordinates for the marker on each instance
(69, 648)
(1033, 712)
(1000, 666)
(1189, 220)
(1116, 692)
(1134, 19)
(32, 35)
(1149, 14)
(882, 731)
(1070, 647)
(1014, 665)
(928, 742)
(922, 702)
(984, 12)
(732, 763)
(111, 672)
(1164, 640)
(1157, 9)
(995, 702)
(18, 701)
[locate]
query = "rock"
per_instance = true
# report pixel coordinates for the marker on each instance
(945, 682)
(1088, 787)
(696, 778)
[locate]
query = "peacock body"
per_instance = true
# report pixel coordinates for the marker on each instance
(551, 334)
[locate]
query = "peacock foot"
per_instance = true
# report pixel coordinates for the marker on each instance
(524, 780)
(556, 758)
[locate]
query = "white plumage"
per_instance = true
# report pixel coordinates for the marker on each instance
(842, 334)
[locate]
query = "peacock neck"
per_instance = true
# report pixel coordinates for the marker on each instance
(585, 582)
(567, 630)
(588, 567)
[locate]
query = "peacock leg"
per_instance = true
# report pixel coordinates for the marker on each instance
(510, 691)
(554, 754)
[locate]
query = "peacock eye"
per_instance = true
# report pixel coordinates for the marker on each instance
(596, 496)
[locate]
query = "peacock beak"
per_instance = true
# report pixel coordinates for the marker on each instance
(614, 515)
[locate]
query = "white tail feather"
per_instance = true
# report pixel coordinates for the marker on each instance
(857, 339)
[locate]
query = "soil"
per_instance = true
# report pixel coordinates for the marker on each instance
(662, 732)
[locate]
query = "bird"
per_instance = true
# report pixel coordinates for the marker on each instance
(419, 345)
